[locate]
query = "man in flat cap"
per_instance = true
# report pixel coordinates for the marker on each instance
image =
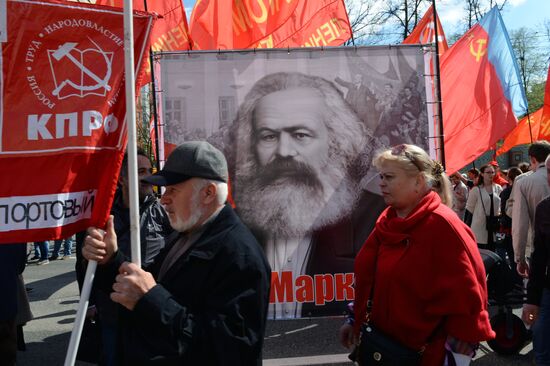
(203, 301)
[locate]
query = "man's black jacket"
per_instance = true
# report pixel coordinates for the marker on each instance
(154, 230)
(539, 275)
(154, 227)
(12, 264)
(209, 308)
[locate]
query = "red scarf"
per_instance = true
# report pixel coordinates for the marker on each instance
(389, 230)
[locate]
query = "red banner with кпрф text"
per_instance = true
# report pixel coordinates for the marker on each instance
(62, 120)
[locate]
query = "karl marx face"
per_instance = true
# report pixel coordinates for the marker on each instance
(295, 183)
(289, 132)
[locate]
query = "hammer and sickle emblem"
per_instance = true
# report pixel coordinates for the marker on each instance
(481, 48)
(65, 51)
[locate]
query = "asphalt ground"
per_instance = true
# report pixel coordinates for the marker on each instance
(54, 300)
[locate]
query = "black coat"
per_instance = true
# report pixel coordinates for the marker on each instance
(155, 231)
(12, 264)
(154, 227)
(208, 309)
(539, 275)
(333, 248)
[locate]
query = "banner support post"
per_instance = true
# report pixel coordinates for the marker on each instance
(74, 341)
(438, 87)
(154, 109)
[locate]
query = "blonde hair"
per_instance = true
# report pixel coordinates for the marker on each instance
(413, 160)
(443, 188)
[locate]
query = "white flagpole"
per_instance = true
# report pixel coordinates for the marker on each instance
(70, 358)
(131, 122)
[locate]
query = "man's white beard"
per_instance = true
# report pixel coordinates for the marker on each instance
(289, 209)
(184, 225)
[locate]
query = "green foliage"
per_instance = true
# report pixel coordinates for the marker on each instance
(531, 58)
(143, 118)
(535, 96)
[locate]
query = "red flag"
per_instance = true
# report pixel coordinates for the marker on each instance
(223, 24)
(481, 90)
(521, 134)
(170, 32)
(62, 121)
(544, 133)
(424, 32)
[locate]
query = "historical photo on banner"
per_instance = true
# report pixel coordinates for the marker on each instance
(299, 129)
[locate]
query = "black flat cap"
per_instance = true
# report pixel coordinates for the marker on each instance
(193, 159)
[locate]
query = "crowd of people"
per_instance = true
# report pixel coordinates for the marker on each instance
(204, 289)
(42, 250)
(507, 213)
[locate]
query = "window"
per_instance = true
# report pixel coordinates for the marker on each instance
(227, 110)
(517, 157)
(174, 110)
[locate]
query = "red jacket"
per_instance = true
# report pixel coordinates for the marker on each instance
(428, 272)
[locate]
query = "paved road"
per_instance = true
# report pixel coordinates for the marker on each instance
(54, 300)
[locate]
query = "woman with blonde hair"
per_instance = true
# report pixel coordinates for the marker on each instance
(442, 185)
(419, 277)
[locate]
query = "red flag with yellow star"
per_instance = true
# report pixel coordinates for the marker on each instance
(481, 91)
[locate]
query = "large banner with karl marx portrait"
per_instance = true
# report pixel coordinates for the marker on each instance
(299, 129)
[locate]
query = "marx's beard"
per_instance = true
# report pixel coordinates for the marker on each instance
(289, 199)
